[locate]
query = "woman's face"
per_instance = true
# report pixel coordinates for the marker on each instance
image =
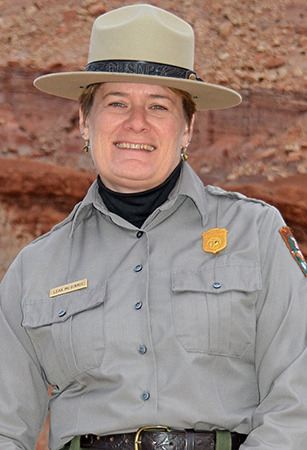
(136, 132)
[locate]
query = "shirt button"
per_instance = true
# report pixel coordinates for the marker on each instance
(62, 313)
(139, 234)
(138, 268)
(142, 349)
(138, 305)
(145, 396)
(217, 285)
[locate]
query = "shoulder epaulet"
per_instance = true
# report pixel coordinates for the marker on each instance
(215, 190)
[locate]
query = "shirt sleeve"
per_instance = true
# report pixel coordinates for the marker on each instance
(24, 391)
(279, 421)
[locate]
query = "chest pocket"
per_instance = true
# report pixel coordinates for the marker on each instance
(67, 331)
(214, 308)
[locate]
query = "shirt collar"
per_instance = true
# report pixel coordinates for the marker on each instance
(189, 185)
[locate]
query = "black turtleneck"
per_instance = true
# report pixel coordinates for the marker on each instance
(135, 208)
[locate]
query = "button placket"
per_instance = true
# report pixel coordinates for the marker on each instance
(138, 305)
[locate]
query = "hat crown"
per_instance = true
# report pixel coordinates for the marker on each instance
(142, 33)
(141, 44)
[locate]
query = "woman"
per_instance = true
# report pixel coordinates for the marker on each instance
(163, 313)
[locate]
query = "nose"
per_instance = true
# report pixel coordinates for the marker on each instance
(137, 120)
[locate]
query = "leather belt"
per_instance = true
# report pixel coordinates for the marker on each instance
(161, 438)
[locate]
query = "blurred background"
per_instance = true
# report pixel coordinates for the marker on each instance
(259, 148)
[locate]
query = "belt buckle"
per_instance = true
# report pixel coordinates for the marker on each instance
(138, 434)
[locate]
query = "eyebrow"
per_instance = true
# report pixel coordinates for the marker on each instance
(118, 94)
(124, 94)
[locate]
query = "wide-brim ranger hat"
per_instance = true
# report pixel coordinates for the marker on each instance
(141, 44)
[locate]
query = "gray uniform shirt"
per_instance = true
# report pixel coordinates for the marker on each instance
(150, 329)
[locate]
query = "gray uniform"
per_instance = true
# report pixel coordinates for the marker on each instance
(147, 328)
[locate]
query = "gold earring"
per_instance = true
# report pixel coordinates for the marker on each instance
(184, 153)
(87, 146)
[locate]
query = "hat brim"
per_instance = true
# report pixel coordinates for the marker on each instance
(70, 85)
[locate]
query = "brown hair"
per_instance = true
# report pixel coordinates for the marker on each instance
(188, 104)
(86, 100)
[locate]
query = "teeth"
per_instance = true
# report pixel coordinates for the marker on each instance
(149, 148)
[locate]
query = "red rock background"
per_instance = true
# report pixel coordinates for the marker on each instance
(257, 47)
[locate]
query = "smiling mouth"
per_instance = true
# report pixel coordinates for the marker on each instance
(129, 145)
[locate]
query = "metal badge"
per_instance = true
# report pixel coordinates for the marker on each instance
(214, 240)
(287, 235)
(71, 287)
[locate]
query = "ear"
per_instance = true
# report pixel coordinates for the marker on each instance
(188, 133)
(83, 125)
(191, 128)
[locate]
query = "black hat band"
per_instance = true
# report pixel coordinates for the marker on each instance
(142, 68)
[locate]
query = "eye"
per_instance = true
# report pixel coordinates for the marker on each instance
(159, 107)
(117, 105)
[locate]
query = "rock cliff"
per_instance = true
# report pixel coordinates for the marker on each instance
(257, 47)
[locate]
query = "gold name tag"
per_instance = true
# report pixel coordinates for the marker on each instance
(71, 287)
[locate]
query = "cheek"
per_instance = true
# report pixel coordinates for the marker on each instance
(174, 137)
(99, 139)
(98, 148)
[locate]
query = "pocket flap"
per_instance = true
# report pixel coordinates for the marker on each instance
(238, 276)
(38, 312)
